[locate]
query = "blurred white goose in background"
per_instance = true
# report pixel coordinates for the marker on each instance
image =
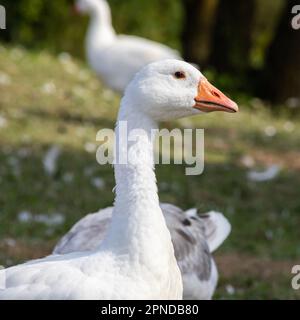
(136, 258)
(117, 58)
(194, 238)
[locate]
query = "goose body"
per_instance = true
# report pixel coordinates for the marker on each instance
(136, 258)
(117, 58)
(194, 238)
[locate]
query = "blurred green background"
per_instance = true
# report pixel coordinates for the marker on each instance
(245, 42)
(51, 102)
(60, 29)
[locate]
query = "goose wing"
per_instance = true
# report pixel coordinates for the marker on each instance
(190, 245)
(86, 234)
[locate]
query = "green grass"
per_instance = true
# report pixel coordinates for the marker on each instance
(47, 100)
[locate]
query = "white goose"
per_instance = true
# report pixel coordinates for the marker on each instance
(194, 239)
(136, 259)
(117, 58)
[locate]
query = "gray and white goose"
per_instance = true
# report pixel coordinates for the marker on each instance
(194, 237)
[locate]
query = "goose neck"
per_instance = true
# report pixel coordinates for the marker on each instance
(134, 168)
(101, 32)
(138, 227)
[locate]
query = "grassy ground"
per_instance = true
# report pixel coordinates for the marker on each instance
(51, 101)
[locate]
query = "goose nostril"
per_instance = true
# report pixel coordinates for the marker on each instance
(214, 93)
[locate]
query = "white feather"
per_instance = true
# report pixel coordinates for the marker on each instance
(50, 160)
(260, 176)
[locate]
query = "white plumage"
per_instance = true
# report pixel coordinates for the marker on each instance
(194, 238)
(117, 58)
(136, 258)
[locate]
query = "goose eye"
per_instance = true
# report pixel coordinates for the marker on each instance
(179, 75)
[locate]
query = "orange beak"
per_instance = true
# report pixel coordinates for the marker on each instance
(211, 99)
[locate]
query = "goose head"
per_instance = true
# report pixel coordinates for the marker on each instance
(91, 6)
(172, 89)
